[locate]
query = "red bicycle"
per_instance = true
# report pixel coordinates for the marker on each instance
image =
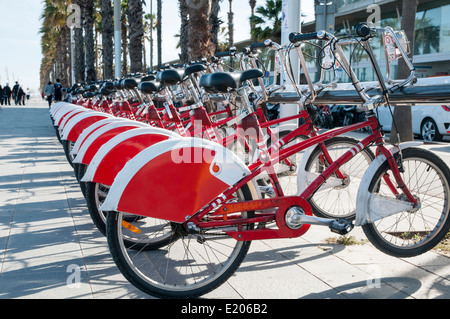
(213, 211)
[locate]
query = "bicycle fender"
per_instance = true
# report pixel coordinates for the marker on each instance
(89, 130)
(61, 113)
(302, 174)
(174, 179)
(66, 117)
(55, 110)
(57, 106)
(100, 136)
(114, 154)
(75, 126)
(365, 215)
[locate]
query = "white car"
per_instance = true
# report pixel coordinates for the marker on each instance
(430, 122)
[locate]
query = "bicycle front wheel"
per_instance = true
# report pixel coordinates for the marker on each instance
(189, 266)
(339, 199)
(414, 232)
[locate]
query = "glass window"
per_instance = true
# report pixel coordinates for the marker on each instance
(428, 25)
(444, 35)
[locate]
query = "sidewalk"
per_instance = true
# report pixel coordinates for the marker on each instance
(50, 249)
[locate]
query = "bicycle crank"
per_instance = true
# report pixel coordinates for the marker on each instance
(295, 218)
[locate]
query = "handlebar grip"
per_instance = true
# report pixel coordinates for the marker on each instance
(295, 37)
(362, 29)
(224, 54)
(258, 45)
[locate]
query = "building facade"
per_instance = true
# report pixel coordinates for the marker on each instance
(432, 31)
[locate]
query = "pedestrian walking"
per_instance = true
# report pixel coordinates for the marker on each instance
(2, 95)
(48, 92)
(21, 96)
(15, 92)
(7, 92)
(58, 91)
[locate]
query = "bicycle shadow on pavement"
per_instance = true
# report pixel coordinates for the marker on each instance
(387, 288)
(274, 258)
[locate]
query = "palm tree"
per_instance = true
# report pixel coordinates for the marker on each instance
(159, 30)
(79, 64)
(231, 25)
(252, 7)
(54, 42)
(107, 38)
(148, 31)
(136, 32)
(215, 22)
(200, 45)
(124, 32)
(267, 21)
(91, 73)
(184, 31)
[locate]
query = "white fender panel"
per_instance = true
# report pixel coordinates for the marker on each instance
(77, 118)
(364, 199)
(55, 107)
(173, 199)
(108, 146)
(68, 116)
(65, 113)
(87, 131)
(77, 114)
(97, 133)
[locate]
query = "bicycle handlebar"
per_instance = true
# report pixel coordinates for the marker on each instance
(260, 45)
(295, 37)
(231, 52)
(362, 30)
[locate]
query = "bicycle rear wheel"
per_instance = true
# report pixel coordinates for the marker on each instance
(189, 265)
(414, 232)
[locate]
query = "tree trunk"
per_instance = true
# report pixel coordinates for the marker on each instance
(107, 39)
(136, 32)
(231, 25)
(402, 114)
(200, 45)
(79, 50)
(214, 21)
(184, 32)
(124, 45)
(91, 74)
(252, 7)
(159, 30)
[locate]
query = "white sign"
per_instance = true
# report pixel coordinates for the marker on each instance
(328, 58)
(389, 47)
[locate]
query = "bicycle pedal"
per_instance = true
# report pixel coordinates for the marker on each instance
(341, 226)
(267, 190)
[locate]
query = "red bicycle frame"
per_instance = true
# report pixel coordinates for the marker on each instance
(224, 215)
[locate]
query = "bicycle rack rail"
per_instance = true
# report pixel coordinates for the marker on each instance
(425, 91)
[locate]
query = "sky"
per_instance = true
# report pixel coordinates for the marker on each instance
(20, 51)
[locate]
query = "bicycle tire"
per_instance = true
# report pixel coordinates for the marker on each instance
(95, 195)
(401, 235)
(80, 170)
(93, 203)
(176, 279)
(324, 204)
(68, 146)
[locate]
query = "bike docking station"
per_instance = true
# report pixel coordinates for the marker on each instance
(166, 181)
